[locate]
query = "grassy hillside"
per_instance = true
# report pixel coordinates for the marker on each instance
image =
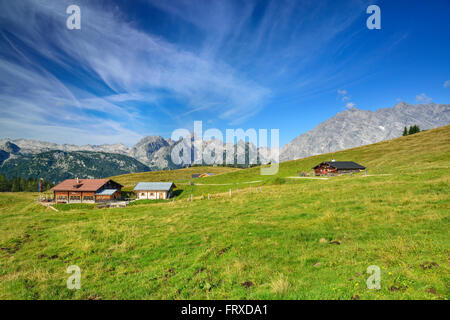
(426, 149)
(129, 181)
(424, 152)
(304, 239)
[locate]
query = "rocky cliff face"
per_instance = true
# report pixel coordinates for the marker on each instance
(151, 151)
(10, 147)
(354, 128)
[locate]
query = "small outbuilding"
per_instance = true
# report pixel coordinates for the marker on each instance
(202, 175)
(337, 167)
(154, 190)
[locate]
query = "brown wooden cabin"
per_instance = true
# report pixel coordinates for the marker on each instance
(86, 191)
(337, 167)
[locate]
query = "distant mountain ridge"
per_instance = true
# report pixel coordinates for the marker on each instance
(28, 146)
(54, 162)
(57, 165)
(348, 129)
(353, 128)
(152, 151)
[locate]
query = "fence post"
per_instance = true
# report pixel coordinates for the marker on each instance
(230, 193)
(208, 196)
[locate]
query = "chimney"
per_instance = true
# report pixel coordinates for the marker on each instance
(78, 180)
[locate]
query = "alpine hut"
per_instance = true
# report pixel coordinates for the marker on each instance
(337, 167)
(86, 191)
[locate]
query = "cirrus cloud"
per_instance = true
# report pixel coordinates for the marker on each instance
(112, 66)
(423, 98)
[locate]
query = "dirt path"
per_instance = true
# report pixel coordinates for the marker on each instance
(314, 178)
(221, 184)
(377, 175)
(48, 205)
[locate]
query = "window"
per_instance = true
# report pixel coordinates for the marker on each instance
(142, 194)
(88, 198)
(151, 193)
(75, 198)
(62, 198)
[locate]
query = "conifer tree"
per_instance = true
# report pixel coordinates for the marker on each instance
(4, 184)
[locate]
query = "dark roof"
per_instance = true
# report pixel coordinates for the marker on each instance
(195, 175)
(342, 165)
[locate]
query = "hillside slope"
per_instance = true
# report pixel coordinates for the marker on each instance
(178, 175)
(304, 239)
(426, 150)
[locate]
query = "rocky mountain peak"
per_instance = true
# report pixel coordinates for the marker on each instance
(10, 147)
(353, 128)
(147, 147)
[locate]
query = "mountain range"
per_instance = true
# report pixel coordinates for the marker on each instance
(348, 129)
(56, 165)
(353, 128)
(56, 162)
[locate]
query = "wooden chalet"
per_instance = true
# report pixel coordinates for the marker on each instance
(86, 191)
(337, 167)
(154, 190)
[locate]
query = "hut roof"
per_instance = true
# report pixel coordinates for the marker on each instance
(342, 165)
(154, 186)
(81, 185)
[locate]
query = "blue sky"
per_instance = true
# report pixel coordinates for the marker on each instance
(140, 68)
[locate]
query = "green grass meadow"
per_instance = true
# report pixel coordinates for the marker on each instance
(293, 239)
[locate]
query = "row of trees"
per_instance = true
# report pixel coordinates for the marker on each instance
(21, 184)
(412, 129)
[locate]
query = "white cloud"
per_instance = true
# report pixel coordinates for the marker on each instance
(204, 75)
(343, 94)
(130, 62)
(423, 98)
(447, 84)
(350, 105)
